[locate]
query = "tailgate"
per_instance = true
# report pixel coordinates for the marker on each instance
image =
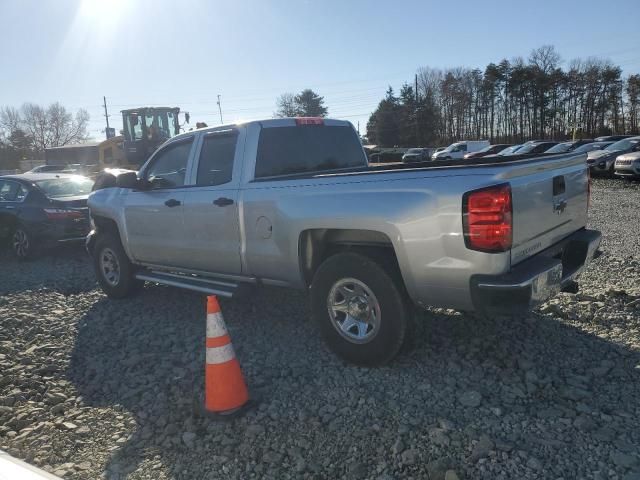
(550, 200)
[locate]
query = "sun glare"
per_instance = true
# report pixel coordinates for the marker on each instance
(101, 12)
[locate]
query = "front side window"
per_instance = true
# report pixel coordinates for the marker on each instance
(216, 159)
(169, 166)
(305, 149)
(134, 126)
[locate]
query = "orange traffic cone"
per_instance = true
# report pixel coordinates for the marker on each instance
(225, 390)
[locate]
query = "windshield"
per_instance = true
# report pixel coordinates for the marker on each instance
(414, 150)
(510, 150)
(65, 187)
(560, 148)
(486, 149)
(592, 146)
(625, 144)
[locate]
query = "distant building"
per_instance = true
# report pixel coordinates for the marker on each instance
(84, 154)
(27, 164)
(109, 153)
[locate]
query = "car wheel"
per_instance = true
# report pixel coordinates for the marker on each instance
(115, 272)
(360, 309)
(22, 243)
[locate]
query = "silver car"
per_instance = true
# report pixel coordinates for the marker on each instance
(628, 165)
(602, 161)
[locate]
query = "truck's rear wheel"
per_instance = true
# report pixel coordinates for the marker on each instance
(360, 309)
(115, 272)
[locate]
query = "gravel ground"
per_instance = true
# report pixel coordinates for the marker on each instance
(93, 388)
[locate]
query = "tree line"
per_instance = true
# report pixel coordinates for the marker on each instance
(25, 132)
(509, 102)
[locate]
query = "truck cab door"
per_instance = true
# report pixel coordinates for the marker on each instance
(154, 216)
(211, 213)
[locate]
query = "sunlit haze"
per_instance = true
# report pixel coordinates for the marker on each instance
(186, 53)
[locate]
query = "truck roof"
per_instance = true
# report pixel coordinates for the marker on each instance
(272, 122)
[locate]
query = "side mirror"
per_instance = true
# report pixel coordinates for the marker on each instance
(128, 180)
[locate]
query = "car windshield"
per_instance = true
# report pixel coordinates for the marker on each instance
(414, 150)
(560, 148)
(589, 147)
(510, 150)
(625, 144)
(65, 187)
(536, 148)
(486, 149)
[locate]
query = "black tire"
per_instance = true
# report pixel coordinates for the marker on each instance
(394, 316)
(108, 246)
(22, 243)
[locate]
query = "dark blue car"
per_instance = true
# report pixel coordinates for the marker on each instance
(39, 210)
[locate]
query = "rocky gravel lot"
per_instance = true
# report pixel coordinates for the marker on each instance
(91, 388)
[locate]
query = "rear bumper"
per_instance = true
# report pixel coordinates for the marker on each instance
(538, 278)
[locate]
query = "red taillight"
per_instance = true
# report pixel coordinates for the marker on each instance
(309, 121)
(62, 213)
(487, 219)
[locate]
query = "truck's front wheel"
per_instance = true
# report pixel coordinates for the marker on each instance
(115, 272)
(360, 309)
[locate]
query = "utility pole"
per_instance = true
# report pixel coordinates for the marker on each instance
(358, 127)
(220, 109)
(416, 112)
(106, 114)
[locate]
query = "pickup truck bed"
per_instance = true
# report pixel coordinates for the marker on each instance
(292, 202)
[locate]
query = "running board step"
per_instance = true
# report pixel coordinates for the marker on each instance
(197, 284)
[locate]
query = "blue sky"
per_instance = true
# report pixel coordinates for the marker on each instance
(184, 53)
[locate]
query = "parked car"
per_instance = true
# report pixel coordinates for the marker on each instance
(417, 155)
(293, 202)
(488, 150)
(48, 168)
(590, 147)
(457, 150)
(611, 138)
(569, 146)
(603, 161)
(38, 210)
(628, 165)
(534, 147)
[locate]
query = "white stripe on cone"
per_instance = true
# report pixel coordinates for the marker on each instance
(215, 325)
(223, 354)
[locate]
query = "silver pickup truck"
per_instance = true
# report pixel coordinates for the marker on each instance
(294, 203)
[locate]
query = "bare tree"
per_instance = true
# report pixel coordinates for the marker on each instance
(52, 126)
(287, 106)
(9, 121)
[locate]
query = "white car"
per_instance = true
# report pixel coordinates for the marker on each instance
(458, 150)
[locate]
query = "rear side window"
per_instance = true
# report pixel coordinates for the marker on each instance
(8, 191)
(309, 148)
(216, 159)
